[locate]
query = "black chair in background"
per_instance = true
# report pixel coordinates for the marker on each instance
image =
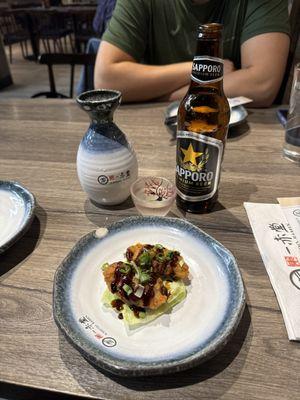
(13, 32)
(49, 30)
(24, 3)
(52, 28)
(82, 26)
(70, 59)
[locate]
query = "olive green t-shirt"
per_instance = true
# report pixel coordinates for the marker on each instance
(159, 32)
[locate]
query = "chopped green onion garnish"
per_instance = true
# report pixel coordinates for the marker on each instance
(142, 314)
(136, 268)
(139, 291)
(144, 277)
(125, 269)
(169, 255)
(160, 258)
(104, 266)
(144, 259)
(127, 289)
(159, 246)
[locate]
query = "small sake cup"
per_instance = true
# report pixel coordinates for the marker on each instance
(153, 195)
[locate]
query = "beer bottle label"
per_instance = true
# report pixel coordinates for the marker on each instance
(198, 165)
(207, 69)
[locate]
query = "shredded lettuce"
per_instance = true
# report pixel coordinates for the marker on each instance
(177, 291)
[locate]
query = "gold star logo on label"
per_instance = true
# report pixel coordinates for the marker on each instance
(190, 155)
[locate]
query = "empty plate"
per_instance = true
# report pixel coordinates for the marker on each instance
(16, 212)
(195, 330)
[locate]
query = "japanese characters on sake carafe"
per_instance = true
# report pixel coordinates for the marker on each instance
(106, 162)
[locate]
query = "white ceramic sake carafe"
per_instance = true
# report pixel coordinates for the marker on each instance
(106, 162)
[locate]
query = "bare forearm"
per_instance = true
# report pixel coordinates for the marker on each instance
(178, 94)
(263, 59)
(244, 82)
(139, 82)
(250, 83)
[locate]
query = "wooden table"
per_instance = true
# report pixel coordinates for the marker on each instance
(39, 140)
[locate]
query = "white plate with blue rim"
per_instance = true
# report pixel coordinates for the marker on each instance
(194, 331)
(17, 206)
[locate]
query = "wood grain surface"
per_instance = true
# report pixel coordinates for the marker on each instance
(38, 145)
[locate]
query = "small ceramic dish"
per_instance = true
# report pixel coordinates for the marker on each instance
(153, 195)
(238, 115)
(195, 330)
(16, 212)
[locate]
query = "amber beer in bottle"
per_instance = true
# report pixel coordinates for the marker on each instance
(203, 118)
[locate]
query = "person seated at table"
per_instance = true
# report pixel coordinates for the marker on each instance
(146, 51)
(103, 15)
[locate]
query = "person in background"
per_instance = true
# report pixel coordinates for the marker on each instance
(147, 49)
(103, 15)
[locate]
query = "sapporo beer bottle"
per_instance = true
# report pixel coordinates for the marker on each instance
(203, 118)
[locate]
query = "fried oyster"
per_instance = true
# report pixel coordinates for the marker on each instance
(145, 280)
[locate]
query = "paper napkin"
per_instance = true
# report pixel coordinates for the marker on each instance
(238, 101)
(280, 250)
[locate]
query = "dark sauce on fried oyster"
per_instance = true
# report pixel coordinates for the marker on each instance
(117, 304)
(140, 282)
